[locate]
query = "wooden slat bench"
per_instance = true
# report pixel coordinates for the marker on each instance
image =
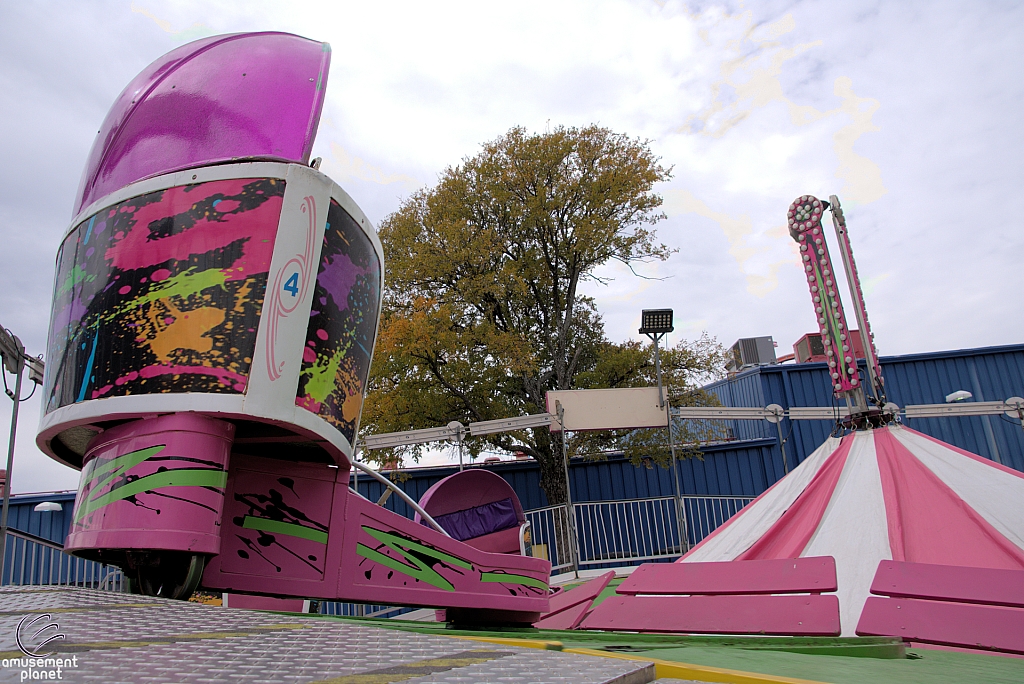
(948, 605)
(737, 597)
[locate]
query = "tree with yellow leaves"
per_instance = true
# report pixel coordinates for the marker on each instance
(482, 310)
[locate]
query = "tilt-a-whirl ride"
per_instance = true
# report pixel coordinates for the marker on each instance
(215, 309)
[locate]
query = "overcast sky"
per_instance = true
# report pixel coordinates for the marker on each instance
(909, 112)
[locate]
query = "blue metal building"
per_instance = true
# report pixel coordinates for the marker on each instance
(50, 525)
(989, 373)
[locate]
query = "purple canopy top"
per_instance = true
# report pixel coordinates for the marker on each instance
(215, 100)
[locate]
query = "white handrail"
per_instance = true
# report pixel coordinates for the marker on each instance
(401, 495)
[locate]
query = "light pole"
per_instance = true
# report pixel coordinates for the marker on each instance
(656, 323)
(12, 353)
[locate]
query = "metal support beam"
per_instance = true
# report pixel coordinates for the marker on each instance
(13, 357)
(396, 439)
(973, 408)
(487, 427)
(722, 412)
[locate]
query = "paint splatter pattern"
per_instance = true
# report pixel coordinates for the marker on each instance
(163, 292)
(342, 324)
(279, 526)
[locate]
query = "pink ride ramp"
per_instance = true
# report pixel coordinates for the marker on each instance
(296, 529)
(568, 608)
(737, 597)
(977, 608)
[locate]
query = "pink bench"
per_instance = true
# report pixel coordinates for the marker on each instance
(948, 605)
(738, 597)
(568, 608)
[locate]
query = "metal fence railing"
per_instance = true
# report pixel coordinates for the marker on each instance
(704, 514)
(359, 609)
(632, 530)
(551, 536)
(32, 560)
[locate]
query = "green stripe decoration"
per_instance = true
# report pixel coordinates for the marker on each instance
(415, 568)
(251, 522)
(423, 572)
(98, 472)
(183, 477)
(393, 541)
(829, 314)
(420, 571)
(509, 578)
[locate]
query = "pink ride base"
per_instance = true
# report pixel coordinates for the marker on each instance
(154, 484)
(249, 602)
(298, 530)
(278, 528)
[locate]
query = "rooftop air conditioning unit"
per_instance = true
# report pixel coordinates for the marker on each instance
(810, 348)
(750, 351)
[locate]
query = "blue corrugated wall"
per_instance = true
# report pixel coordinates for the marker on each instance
(990, 374)
(734, 469)
(52, 525)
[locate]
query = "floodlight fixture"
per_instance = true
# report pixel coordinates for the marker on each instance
(656, 321)
(51, 506)
(959, 395)
(36, 366)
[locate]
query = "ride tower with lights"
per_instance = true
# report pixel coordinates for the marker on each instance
(867, 407)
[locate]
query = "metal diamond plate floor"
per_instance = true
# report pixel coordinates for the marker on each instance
(112, 637)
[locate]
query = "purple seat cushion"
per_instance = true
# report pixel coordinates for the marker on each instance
(479, 520)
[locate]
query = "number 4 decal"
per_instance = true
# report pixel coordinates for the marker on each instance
(292, 284)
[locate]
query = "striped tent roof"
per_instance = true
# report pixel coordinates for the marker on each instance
(886, 494)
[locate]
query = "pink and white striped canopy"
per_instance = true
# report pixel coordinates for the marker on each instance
(890, 493)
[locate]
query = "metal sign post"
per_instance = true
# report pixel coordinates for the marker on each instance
(574, 544)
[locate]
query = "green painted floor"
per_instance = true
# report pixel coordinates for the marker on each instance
(836, 660)
(822, 660)
(929, 665)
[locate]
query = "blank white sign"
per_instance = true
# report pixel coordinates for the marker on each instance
(607, 409)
